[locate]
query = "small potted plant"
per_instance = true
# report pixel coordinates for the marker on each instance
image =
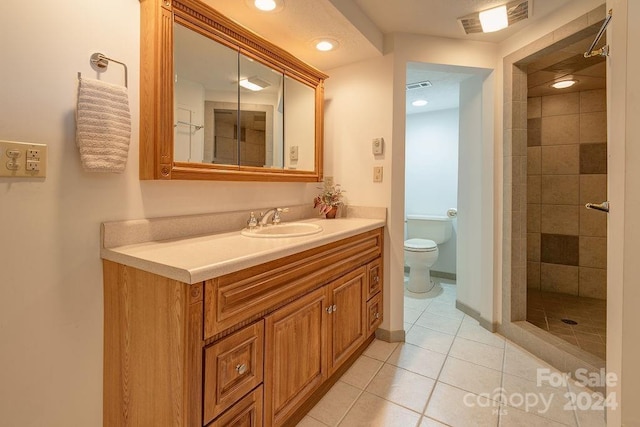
(328, 201)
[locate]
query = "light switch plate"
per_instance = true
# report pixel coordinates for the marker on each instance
(23, 160)
(377, 146)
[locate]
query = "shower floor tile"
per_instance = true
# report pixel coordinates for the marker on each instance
(547, 310)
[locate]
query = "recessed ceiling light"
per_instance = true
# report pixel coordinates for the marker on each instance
(494, 19)
(564, 84)
(420, 103)
(325, 44)
(265, 5)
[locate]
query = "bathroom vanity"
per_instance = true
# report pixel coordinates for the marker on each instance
(224, 329)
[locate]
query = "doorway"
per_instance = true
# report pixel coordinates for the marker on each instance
(554, 147)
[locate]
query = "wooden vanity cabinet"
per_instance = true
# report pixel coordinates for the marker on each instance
(250, 348)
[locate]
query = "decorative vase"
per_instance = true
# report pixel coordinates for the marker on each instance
(332, 213)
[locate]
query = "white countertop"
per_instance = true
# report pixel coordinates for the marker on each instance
(195, 259)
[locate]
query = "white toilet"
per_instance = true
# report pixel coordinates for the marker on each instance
(424, 234)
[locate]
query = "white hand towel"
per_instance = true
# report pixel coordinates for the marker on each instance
(103, 126)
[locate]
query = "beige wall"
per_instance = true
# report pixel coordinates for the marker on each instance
(566, 168)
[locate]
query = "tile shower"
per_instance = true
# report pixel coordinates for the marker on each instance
(566, 243)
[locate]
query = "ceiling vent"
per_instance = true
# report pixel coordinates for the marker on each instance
(516, 11)
(419, 85)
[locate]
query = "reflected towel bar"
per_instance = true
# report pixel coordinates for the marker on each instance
(198, 127)
(603, 51)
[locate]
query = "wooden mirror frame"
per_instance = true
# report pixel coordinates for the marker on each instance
(156, 91)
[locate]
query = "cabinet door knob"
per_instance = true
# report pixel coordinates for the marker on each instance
(377, 315)
(329, 309)
(334, 308)
(241, 368)
(376, 279)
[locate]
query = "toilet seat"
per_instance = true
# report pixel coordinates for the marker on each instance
(420, 245)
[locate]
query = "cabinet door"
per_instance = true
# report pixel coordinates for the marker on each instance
(295, 355)
(347, 314)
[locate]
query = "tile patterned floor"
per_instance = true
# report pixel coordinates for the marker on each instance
(546, 309)
(449, 372)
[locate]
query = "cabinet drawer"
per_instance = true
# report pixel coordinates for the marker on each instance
(374, 313)
(241, 296)
(232, 368)
(246, 413)
(374, 277)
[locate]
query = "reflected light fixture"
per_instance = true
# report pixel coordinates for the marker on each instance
(494, 19)
(563, 84)
(420, 103)
(254, 83)
(265, 5)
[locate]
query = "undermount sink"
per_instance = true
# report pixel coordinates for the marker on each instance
(287, 229)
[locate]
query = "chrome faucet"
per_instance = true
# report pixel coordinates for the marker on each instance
(264, 216)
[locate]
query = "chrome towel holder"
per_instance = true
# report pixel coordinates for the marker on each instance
(100, 62)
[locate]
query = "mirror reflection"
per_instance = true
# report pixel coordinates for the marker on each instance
(229, 109)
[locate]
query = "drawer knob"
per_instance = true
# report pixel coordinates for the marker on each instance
(241, 368)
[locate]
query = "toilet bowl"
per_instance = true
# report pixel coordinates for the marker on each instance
(424, 234)
(420, 255)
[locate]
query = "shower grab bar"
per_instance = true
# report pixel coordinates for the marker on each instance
(602, 207)
(603, 51)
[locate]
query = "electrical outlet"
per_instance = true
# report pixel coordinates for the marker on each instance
(25, 160)
(377, 174)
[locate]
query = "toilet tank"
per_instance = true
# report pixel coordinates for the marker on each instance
(432, 227)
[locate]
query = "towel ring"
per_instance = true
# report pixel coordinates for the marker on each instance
(100, 62)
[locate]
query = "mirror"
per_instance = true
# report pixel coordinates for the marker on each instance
(238, 107)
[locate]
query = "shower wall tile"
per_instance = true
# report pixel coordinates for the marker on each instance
(533, 189)
(593, 283)
(534, 164)
(559, 249)
(593, 158)
(557, 105)
(560, 189)
(533, 275)
(561, 130)
(559, 278)
(533, 218)
(593, 101)
(559, 219)
(534, 107)
(534, 129)
(593, 252)
(593, 188)
(533, 246)
(560, 160)
(593, 223)
(593, 127)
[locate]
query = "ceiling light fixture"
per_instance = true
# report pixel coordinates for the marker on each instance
(270, 6)
(494, 19)
(265, 5)
(254, 83)
(325, 44)
(420, 103)
(563, 84)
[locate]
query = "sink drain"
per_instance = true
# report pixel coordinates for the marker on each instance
(569, 321)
